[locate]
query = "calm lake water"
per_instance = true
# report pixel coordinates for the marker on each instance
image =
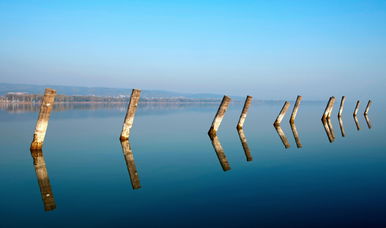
(180, 180)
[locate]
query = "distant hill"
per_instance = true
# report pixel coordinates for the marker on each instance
(100, 91)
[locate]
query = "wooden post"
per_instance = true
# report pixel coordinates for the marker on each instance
(368, 121)
(327, 129)
(329, 107)
(243, 115)
(281, 114)
(129, 158)
(219, 115)
(220, 152)
(244, 143)
(367, 107)
(296, 135)
(356, 108)
(129, 118)
(295, 110)
(341, 127)
(43, 180)
(282, 136)
(44, 117)
(341, 106)
(357, 122)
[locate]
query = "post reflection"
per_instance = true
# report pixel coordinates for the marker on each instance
(329, 130)
(220, 152)
(129, 158)
(296, 135)
(357, 123)
(368, 121)
(341, 126)
(282, 136)
(43, 179)
(244, 143)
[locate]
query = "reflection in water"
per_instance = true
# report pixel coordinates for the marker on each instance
(243, 140)
(220, 152)
(357, 123)
(328, 128)
(43, 180)
(368, 121)
(129, 158)
(283, 138)
(296, 135)
(341, 126)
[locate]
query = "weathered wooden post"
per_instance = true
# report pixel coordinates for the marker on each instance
(220, 152)
(356, 108)
(129, 118)
(43, 180)
(44, 117)
(368, 121)
(219, 115)
(244, 143)
(129, 158)
(341, 127)
(296, 135)
(281, 114)
(357, 122)
(341, 106)
(367, 107)
(295, 110)
(329, 107)
(243, 115)
(282, 136)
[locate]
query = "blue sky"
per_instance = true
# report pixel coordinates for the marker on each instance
(268, 49)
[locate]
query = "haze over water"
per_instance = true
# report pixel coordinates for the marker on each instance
(182, 182)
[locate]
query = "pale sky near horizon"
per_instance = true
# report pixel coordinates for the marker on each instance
(268, 49)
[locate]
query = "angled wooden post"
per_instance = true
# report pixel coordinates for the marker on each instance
(243, 115)
(244, 143)
(341, 106)
(43, 180)
(219, 115)
(295, 110)
(356, 108)
(130, 164)
(367, 107)
(220, 152)
(44, 117)
(281, 114)
(282, 136)
(129, 118)
(329, 107)
(296, 135)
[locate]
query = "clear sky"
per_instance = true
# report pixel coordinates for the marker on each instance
(268, 49)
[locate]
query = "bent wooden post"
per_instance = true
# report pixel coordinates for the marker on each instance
(43, 180)
(243, 115)
(44, 117)
(296, 135)
(295, 110)
(367, 107)
(330, 105)
(341, 106)
(220, 152)
(281, 114)
(129, 118)
(219, 115)
(282, 136)
(244, 143)
(129, 158)
(356, 108)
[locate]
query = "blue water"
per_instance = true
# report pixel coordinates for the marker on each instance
(322, 184)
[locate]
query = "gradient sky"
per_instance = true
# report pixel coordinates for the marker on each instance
(268, 49)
